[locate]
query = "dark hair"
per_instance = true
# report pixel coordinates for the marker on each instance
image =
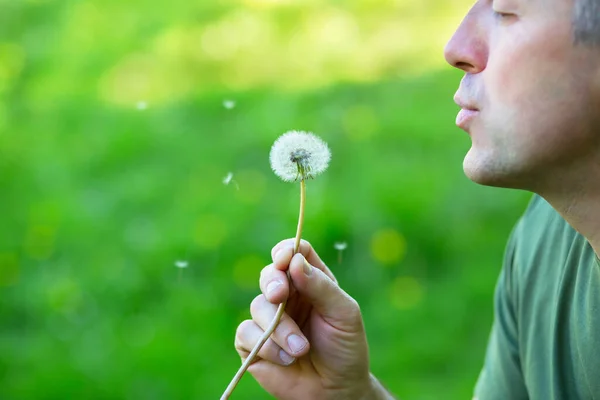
(586, 22)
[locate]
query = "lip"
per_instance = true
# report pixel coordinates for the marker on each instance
(467, 113)
(465, 116)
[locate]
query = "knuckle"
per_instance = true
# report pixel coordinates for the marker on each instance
(244, 326)
(256, 303)
(240, 331)
(264, 272)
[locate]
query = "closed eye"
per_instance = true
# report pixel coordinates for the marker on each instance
(504, 18)
(501, 15)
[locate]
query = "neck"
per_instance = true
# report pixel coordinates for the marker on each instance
(579, 205)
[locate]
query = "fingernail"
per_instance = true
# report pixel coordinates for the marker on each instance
(272, 286)
(285, 357)
(307, 268)
(296, 343)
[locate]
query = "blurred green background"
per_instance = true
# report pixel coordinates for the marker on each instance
(119, 121)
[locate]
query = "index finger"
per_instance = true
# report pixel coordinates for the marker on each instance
(283, 252)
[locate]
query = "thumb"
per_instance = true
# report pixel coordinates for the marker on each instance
(326, 297)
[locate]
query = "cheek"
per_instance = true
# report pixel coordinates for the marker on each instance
(529, 84)
(525, 74)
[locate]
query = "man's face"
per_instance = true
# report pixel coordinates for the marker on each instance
(535, 95)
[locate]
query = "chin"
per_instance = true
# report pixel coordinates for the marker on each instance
(489, 172)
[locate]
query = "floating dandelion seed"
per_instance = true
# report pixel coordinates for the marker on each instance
(340, 247)
(295, 155)
(298, 154)
(141, 105)
(229, 104)
(181, 264)
(229, 179)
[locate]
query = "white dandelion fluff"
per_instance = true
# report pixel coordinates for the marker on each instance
(228, 178)
(141, 105)
(340, 246)
(298, 154)
(228, 104)
(181, 264)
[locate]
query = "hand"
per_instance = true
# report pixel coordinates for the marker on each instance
(319, 349)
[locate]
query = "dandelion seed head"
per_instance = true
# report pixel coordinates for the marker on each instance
(181, 264)
(340, 246)
(141, 105)
(228, 178)
(229, 104)
(298, 154)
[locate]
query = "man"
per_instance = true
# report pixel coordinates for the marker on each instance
(530, 101)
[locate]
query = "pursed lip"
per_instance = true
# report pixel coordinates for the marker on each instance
(467, 113)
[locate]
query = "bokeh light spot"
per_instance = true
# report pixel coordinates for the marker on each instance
(405, 293)
(39, 242)
(210, 232)
(12, 64)
(144, 76)
(246, 271)
(388, 246)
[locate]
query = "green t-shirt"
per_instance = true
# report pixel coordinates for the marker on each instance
(545, 340)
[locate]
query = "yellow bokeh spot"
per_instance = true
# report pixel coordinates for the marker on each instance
(405, 293)
(246, 271)
(13, 59)
(144, 76)
(388, 246)
(9, 268)
(39, 242)
(210, 232)
(252, 185)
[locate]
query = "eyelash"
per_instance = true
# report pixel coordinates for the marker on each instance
(501, 15)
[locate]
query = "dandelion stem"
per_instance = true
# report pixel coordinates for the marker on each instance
(300, 216)
(280, 309)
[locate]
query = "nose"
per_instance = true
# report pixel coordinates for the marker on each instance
(468, 48)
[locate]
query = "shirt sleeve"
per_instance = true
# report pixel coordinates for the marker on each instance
(501, 377)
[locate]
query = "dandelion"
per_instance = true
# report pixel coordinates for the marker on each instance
(229, 104)
(141, 105)
(299, 155)
(340, 247)
(295, 155)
